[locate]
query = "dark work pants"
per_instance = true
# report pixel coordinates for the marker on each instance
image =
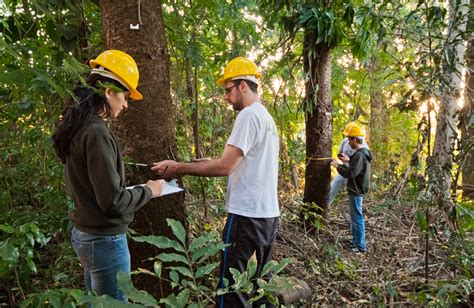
(246, 236)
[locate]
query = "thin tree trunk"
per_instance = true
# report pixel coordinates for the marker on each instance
(377, 113)
(82, 47)
(441, 162)
(147, 129)
(192, 97)
(317, 64)
(466, 127)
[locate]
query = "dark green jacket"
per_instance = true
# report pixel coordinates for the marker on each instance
(95, 180)
(358, 172)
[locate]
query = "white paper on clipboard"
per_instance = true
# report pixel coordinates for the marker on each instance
(168, 188)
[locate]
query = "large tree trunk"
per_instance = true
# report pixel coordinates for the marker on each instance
(441, 163)
(467, 128)
(146, 130)
(318, 103)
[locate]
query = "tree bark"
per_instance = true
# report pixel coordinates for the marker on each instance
(317, 65)
(82, 48)
(147, 129)
(466, 127)
(377, 113)
(191, 89)
(441, 163)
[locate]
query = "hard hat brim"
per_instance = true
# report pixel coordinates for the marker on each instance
(135, 95)
(221, 81)
(93, 63)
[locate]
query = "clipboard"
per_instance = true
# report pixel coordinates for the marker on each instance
(168, 188)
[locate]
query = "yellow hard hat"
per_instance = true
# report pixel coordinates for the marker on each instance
(123, 68)
(348, 126)
(355, 131)
(240, 67)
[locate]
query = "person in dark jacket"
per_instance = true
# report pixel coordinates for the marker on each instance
(94, 171)
(358, 182)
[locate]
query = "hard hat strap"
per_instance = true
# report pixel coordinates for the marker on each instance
(251, 78)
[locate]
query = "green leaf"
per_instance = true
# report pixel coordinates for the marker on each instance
(178, 230)
(174, 277)
(172, 301)
(8, 252)
(251, 267)
(282, 265)
(241, 280)
(199, 242)
(158, 267)
(204, 252)
(31, 265)
(269, 266)
(206, 269)
(275, 267)
(183, 297)
(447, 287)
(7, 228)
(422, 220)
(269, 287)
(204, 288)
(183, 270)
(235, 274)
(160, 242)
(54, 298)
(125, 283)
(172, 257)
(105, 301)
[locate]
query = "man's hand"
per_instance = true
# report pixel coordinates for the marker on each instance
(343, 158)
(166, 168)
(223, 166)
(334, 163)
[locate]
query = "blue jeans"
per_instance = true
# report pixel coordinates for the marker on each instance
(337, 184)
(102, 257)
(357, 222)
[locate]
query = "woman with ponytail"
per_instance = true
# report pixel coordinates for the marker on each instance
(94, 171)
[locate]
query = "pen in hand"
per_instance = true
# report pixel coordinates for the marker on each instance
(163, 174)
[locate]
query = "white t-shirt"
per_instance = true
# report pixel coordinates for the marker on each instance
(346, 148)
(252, 186)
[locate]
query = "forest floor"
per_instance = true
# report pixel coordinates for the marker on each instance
(391, 273)
(388, 274)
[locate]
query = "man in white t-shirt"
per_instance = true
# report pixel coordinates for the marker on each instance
(250, 160)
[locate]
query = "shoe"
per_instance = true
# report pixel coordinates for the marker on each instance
(348, 244)
(357, 250)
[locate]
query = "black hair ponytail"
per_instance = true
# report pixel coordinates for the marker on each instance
(87, 101)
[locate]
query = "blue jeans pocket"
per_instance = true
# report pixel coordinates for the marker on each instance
(111, 252)
(83, 249)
